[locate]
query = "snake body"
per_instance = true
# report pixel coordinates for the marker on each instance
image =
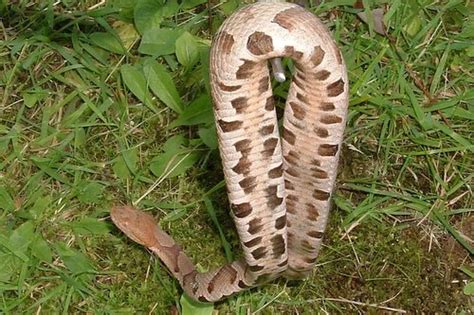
(279, 188)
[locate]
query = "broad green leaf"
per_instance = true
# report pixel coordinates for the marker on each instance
(39, 207)
(120, 168)
(31, 97)
(108, 42)
(74, 260)
(159, 41)
(80, 137)
(162, 85)
(147, 14)
(174, 144)
(8, 266)
(468, 28)
(175, 159)
(99, 54)
(198, 112)
(137, 84)
(33, 58)
(470, 51)
(229, 6)
(124, 8)
(22, 237)
(208, 136)
(6, 201)
(41, 250)
(92, 226)
(171, 165)
(191, 307)
(187, 50)
(172, 7)
(414, 26)
(130, 157)
(89, 192)
(10, 246)
(469, 288)
(126, 163)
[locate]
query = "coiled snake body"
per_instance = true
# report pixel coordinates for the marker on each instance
(279, 189)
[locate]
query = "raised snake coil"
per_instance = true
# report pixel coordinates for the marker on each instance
(279, 189)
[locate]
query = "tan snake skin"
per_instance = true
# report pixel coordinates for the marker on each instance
(279, 189)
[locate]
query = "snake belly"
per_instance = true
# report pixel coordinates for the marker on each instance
(279, 188)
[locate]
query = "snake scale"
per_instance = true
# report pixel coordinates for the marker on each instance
(279, 188)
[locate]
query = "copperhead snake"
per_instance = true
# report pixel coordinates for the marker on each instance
(279, 188)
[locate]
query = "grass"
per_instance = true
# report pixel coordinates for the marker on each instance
(97, 108)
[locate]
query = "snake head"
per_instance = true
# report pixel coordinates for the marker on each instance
(137, 225)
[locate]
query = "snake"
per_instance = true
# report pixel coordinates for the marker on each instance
(279, 187)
